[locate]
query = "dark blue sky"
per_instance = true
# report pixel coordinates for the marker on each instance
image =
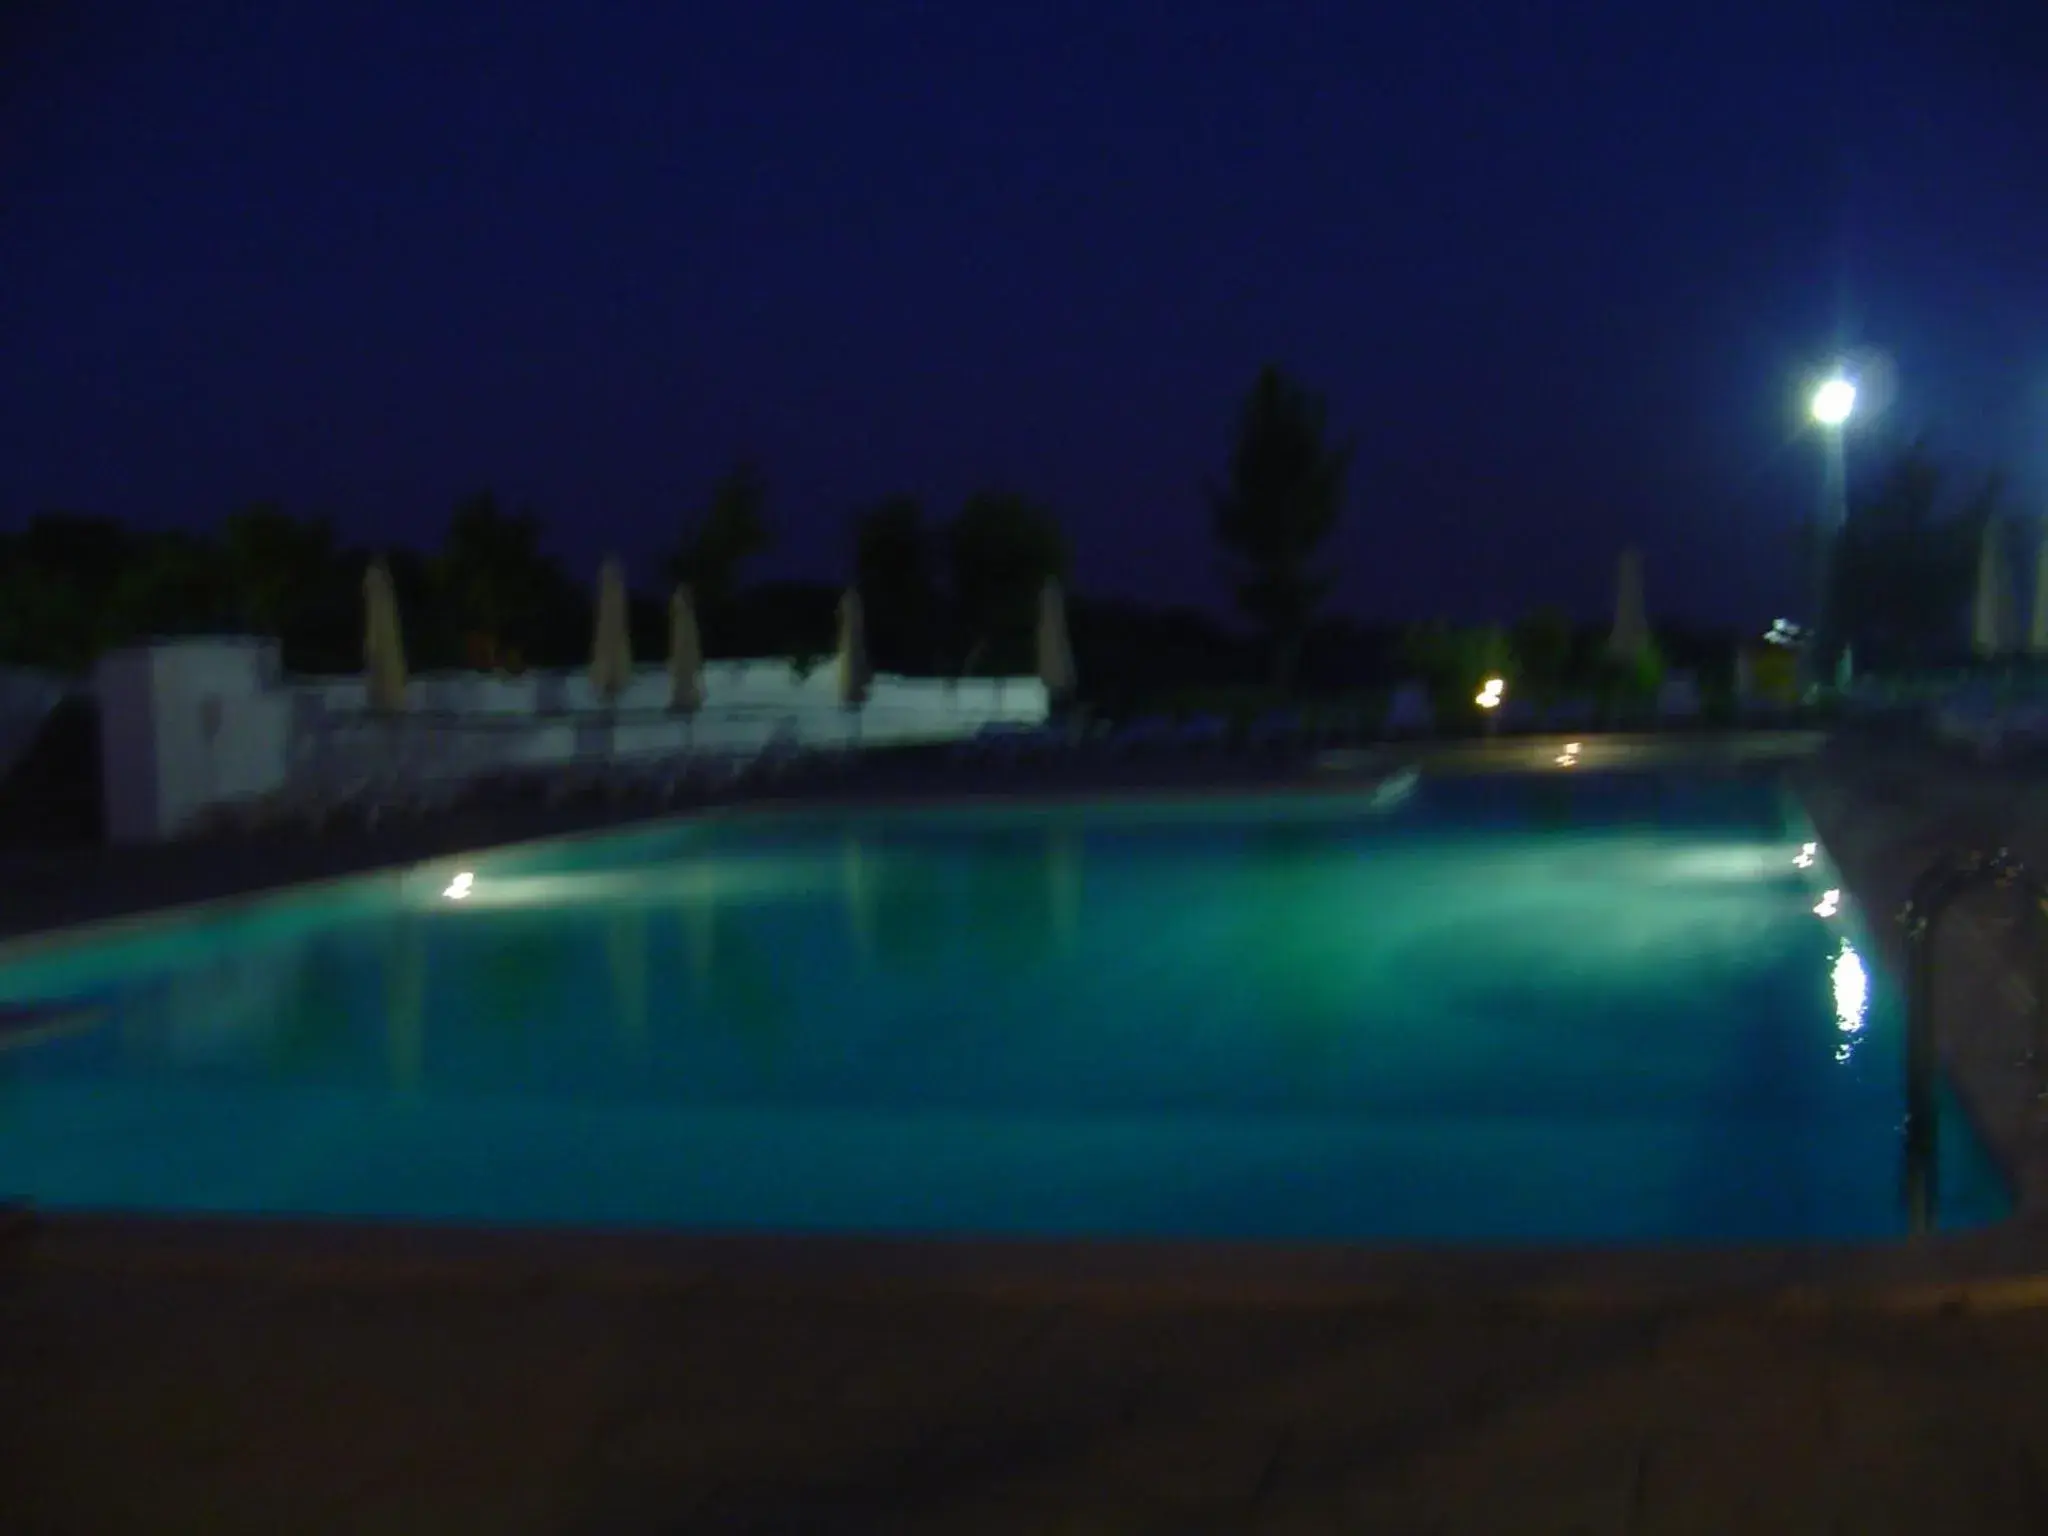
(1559, 268)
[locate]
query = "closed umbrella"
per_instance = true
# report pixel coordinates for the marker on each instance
(1631, 634)
(383, 645)
(611, 646)
(685, 655)
(2037, 620)
(1986, 626)
(854, 675)
(1055, 654)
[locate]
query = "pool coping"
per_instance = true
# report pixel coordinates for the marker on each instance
(2003, 1266)
(2000, 1268)
(1984, 1006)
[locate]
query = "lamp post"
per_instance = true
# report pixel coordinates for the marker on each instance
(1832, 405)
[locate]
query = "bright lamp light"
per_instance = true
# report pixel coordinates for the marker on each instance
(1833, 402)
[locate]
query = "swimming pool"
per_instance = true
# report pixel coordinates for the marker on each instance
(1513, 1008)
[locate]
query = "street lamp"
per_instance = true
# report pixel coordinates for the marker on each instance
(1834, 401)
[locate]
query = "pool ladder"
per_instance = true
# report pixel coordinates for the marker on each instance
(1950, 877)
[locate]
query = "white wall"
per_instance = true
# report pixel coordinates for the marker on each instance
(192, 723)
(185, 724)
(771, 684)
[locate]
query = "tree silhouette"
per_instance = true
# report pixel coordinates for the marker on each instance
(172, 584)
(277, 565)
(433, 638)
(1285, 489)
(731, 530)
(1542, 643)
(73, 586)
(45, 621)
(1003, 549)
(496, 577)
(1905, 561)
(893, 568)
(58, 578)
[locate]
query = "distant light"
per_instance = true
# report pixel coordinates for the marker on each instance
(1805, 857)
(1489, 693)
(459, 887)
(1829, 904)
(1569, 756)
(1833, 402)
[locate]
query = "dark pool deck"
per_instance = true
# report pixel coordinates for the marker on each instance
(222, 1377)
(243, 1398)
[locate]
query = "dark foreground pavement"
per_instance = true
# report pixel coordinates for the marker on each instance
(150, 1401)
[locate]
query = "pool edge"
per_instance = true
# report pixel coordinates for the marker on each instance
(1982, 1008)
(1994, 1269)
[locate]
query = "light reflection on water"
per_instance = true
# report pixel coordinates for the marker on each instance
(1556, 1007)
(1851, 985)
(1324, 930)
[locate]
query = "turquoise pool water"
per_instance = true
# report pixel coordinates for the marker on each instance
(1524, 1008)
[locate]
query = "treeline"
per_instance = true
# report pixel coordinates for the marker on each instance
(1907, 563)
(956, 596)
(948, 593)
(953, 594)
(947, 597)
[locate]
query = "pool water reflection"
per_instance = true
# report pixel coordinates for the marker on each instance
(1594, 1008)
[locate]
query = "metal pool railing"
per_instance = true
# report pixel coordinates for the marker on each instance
(1940, 885)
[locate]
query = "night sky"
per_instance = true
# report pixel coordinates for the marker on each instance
(1561, 269)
